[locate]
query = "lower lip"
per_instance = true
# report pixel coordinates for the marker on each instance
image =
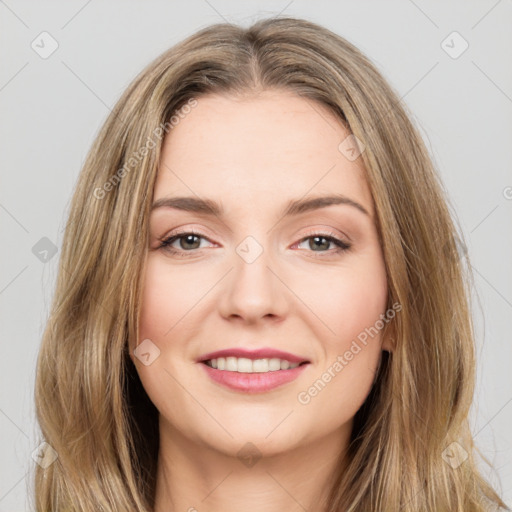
(253, 382)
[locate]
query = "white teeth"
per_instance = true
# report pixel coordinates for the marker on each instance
(260, 365)
(245, 365)
(274, 364)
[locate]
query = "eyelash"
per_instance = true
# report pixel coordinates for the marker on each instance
(165, 244)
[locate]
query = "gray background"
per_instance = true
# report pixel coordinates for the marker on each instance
(51, 109)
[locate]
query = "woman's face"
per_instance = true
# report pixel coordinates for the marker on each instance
(254, 277)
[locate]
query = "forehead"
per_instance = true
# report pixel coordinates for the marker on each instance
(259, 150)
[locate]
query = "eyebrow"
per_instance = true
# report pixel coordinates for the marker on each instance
(293, 207)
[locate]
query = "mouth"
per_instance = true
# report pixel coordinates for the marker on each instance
(248, 361)
(247, 365)
(252, 372)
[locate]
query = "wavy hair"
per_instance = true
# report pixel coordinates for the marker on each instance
(411, 448)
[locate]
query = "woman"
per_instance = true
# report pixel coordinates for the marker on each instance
(200, 353)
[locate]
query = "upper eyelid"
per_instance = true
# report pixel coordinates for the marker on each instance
(191, 231)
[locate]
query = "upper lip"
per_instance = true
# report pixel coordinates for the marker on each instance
(261, 353)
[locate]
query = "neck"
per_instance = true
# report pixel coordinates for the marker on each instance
(199, 478)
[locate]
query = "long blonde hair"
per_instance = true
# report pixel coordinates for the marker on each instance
(411, 448)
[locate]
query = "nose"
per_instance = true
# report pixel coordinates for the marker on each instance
(253, 290)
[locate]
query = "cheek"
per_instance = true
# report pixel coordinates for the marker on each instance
(347, 301)
(166, 298)
(165, 301)
(360, 300)
(350, 304)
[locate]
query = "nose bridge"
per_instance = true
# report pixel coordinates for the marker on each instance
(254, 290)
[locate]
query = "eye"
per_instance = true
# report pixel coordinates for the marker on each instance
(323, 240)
(189, 241)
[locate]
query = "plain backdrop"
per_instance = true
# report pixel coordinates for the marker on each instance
(449, 61)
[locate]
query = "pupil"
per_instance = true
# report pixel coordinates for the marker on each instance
(316, 238)
(189, 238)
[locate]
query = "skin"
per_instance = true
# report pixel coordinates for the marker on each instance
(253, 155)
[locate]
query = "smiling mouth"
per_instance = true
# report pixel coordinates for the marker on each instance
(246, 365)
(241, 374)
